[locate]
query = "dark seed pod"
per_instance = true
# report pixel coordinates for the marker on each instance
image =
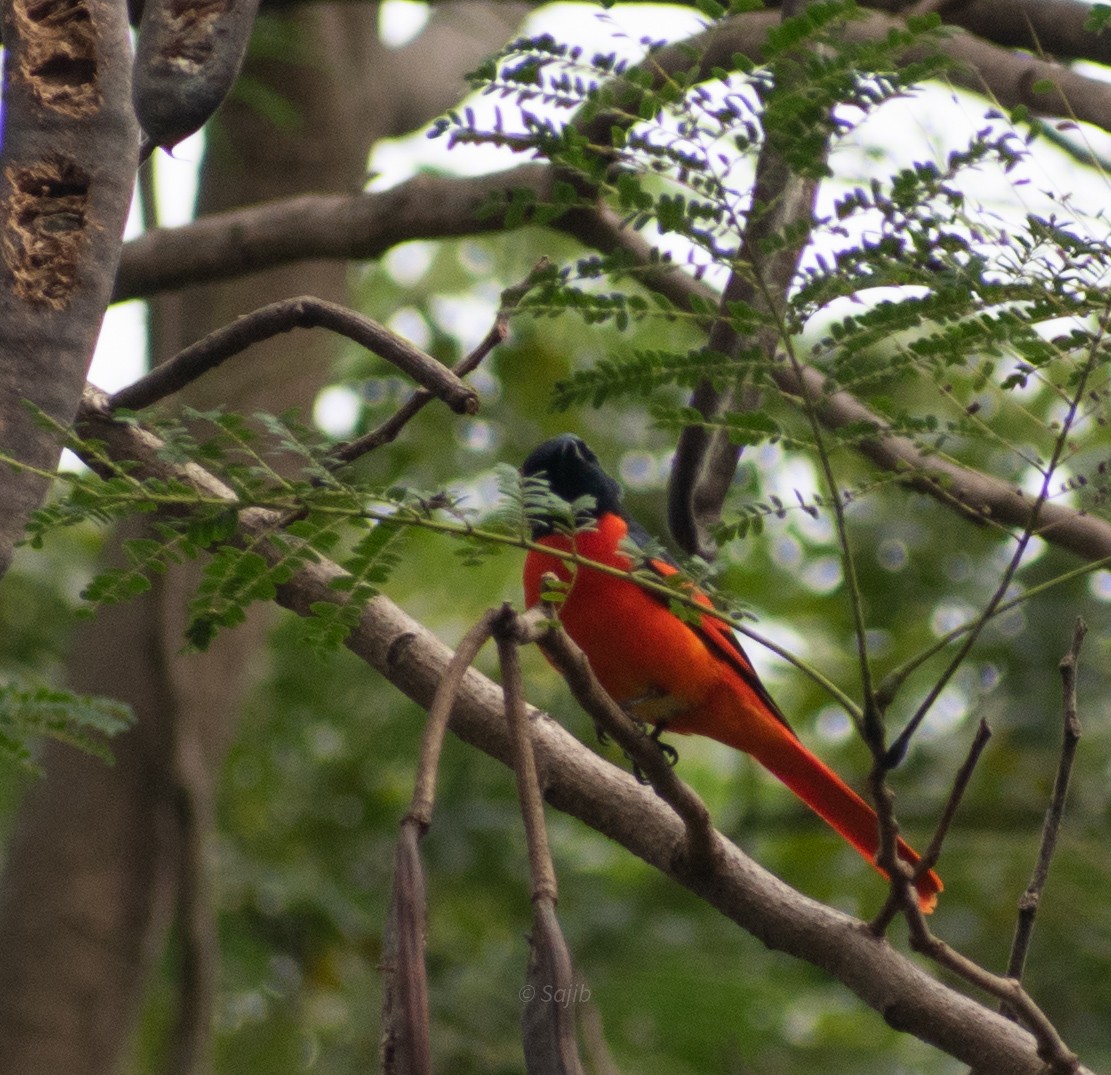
(186, 59)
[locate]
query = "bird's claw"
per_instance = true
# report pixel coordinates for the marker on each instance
(671, 755)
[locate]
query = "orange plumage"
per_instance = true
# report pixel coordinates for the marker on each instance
(694, 677)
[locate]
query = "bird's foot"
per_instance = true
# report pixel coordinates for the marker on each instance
(671, 755)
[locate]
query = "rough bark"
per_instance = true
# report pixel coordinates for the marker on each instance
(70, 144)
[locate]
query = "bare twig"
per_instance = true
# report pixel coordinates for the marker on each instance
(405, 1046)
(1031, 898)
(302, 312)
(1079, 389)
(548, 1021)
(930, 858)
(1051, 1046)
(1015, 1001)
(392, 426)
(424, 787)
(960, 785)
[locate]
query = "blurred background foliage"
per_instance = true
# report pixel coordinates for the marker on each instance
(321, 772)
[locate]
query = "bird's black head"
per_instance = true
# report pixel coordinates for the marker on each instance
(572, 471)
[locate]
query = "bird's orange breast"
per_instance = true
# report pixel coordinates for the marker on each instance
(645, 657)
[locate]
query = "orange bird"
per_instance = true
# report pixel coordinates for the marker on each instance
(694, 679)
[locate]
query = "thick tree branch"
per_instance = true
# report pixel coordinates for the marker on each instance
(1052, 27)
(340, 226)
(580, 783)
(979, 65)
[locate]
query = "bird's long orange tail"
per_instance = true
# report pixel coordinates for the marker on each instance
(782, 754)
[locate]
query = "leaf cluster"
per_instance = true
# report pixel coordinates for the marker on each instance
(82, 721)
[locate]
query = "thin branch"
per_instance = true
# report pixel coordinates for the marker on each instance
(1051, 1046)
(899, 747)
(548, 1020)
(439, 712)
(894, 679)
(956, 794)
(1031, 898)
(392, 426)
(895, 899)
(1015, 1001)
(405, 1047)
(304, 311)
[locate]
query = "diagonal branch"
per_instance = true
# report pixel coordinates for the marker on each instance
(392, 426)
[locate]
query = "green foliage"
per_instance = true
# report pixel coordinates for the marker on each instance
(82, 721)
